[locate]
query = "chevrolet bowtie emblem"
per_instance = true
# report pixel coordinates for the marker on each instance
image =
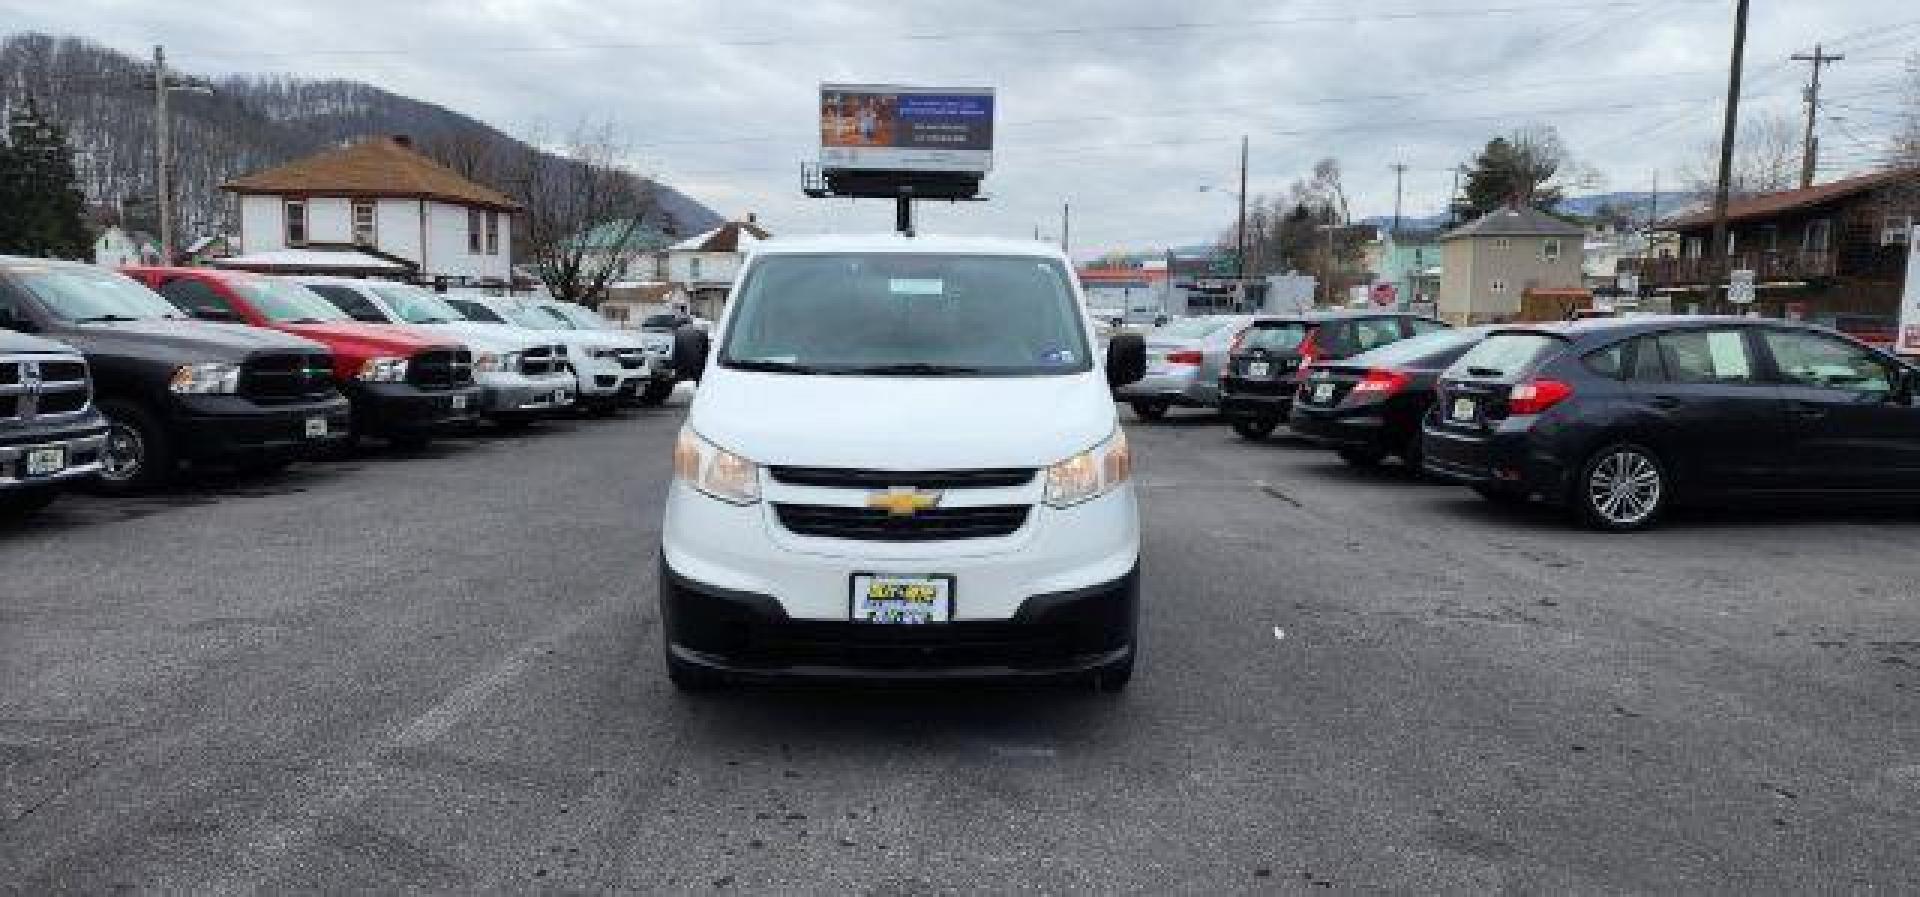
(903, 501)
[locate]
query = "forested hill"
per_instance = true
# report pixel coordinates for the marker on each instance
(244, 125)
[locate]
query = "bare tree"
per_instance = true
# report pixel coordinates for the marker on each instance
(587, 219)
(1766, 158)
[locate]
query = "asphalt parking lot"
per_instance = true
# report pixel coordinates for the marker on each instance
(442, 672)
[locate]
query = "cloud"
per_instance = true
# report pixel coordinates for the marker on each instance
(1123, 108)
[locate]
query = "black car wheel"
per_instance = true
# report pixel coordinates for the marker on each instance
(139, 454)
(1621, 488)
(1363, 457)
(1151, 410)
(1114, 677)
(1257, 428)
(656, 393)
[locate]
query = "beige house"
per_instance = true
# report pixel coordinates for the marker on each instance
(1489, 265)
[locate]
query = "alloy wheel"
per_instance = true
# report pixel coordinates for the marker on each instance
(1625, 488)
(125, 454)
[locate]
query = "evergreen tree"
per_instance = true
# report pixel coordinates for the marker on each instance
(42, 211)
(1513, 170)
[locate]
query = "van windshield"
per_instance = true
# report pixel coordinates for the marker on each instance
(907, 315)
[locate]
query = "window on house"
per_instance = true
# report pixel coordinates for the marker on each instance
(364, 228)
(1551, 249)
(474, 238)
(693, 268)
(1819, 234)
(296, 220)
(1897, 230)
(1769, 238)
(1502, 243)
(493, 233)
(1499, 285)
(1733, 242)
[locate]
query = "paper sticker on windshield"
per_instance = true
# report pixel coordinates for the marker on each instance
(901, 286)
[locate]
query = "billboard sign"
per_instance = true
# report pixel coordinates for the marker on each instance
(1908, 342)
(879, 127)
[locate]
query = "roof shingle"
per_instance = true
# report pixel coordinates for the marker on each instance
(376, 167)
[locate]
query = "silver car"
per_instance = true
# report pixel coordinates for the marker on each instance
(1184, 360)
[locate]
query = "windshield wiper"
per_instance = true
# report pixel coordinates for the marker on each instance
(105, 319)
(779, 367)
(912, 369)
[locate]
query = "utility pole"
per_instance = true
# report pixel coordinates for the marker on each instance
(1453, 199)
(1066, 228)
(1718, 251)
(1399, 177)
(162, 151)
(1810, 154)
(1240, 233)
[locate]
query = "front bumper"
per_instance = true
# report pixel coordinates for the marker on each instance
(748, 636)
(84, 443)
(607, 381)
(511, 395)
(216, 427)
(388, 409)
(742, 594)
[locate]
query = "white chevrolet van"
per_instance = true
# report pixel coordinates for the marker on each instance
(903, 462)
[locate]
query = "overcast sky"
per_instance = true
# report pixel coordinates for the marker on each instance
(1124, 108)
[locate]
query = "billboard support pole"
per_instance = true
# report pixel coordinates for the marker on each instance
(903, 212)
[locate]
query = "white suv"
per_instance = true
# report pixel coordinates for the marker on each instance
(903, 462)
(523, 376)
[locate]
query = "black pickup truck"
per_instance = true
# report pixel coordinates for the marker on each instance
(172, 389)
(50, 434)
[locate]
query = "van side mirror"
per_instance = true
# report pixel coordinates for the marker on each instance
(690, 348)
(1126, 359)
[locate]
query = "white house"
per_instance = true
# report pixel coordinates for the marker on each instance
(374, 207)
(116, 248)
(704, 267)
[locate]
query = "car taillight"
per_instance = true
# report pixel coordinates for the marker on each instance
(1185, 356)
(1382, 381)
(1309, 351)
(1536, 396)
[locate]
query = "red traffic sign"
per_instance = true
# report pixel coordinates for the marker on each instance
(1385, 294)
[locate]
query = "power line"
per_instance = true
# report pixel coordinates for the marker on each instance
(976, 34)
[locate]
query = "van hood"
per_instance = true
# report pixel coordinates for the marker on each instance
(184, 339)
(351, 339)
(902, 423)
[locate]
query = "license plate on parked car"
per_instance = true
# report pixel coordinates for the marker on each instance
(561, 397)
(902, 600)
(1323, 392)
(1258, 369)
(316, 428)
(1463, 409)
(46, 461)
(459, 403)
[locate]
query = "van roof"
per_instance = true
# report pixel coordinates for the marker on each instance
(932, 245)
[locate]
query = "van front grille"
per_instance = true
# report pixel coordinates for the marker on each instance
(877, 525)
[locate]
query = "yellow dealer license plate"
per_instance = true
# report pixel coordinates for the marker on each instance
(902, 600)
(44, 462)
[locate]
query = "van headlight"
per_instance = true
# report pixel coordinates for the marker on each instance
(207, 378)
(384, 370)
(714, 470)
(1092, 473)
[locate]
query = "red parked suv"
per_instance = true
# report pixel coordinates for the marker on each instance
(403, 385)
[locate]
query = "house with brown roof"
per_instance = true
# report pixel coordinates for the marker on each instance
(705, 266)
(1830, 249)
(374, 208)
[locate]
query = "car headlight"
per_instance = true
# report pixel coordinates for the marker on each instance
(384, 370)
(714, 470)
(207, 378)
(496, 362)
(1090, 474)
